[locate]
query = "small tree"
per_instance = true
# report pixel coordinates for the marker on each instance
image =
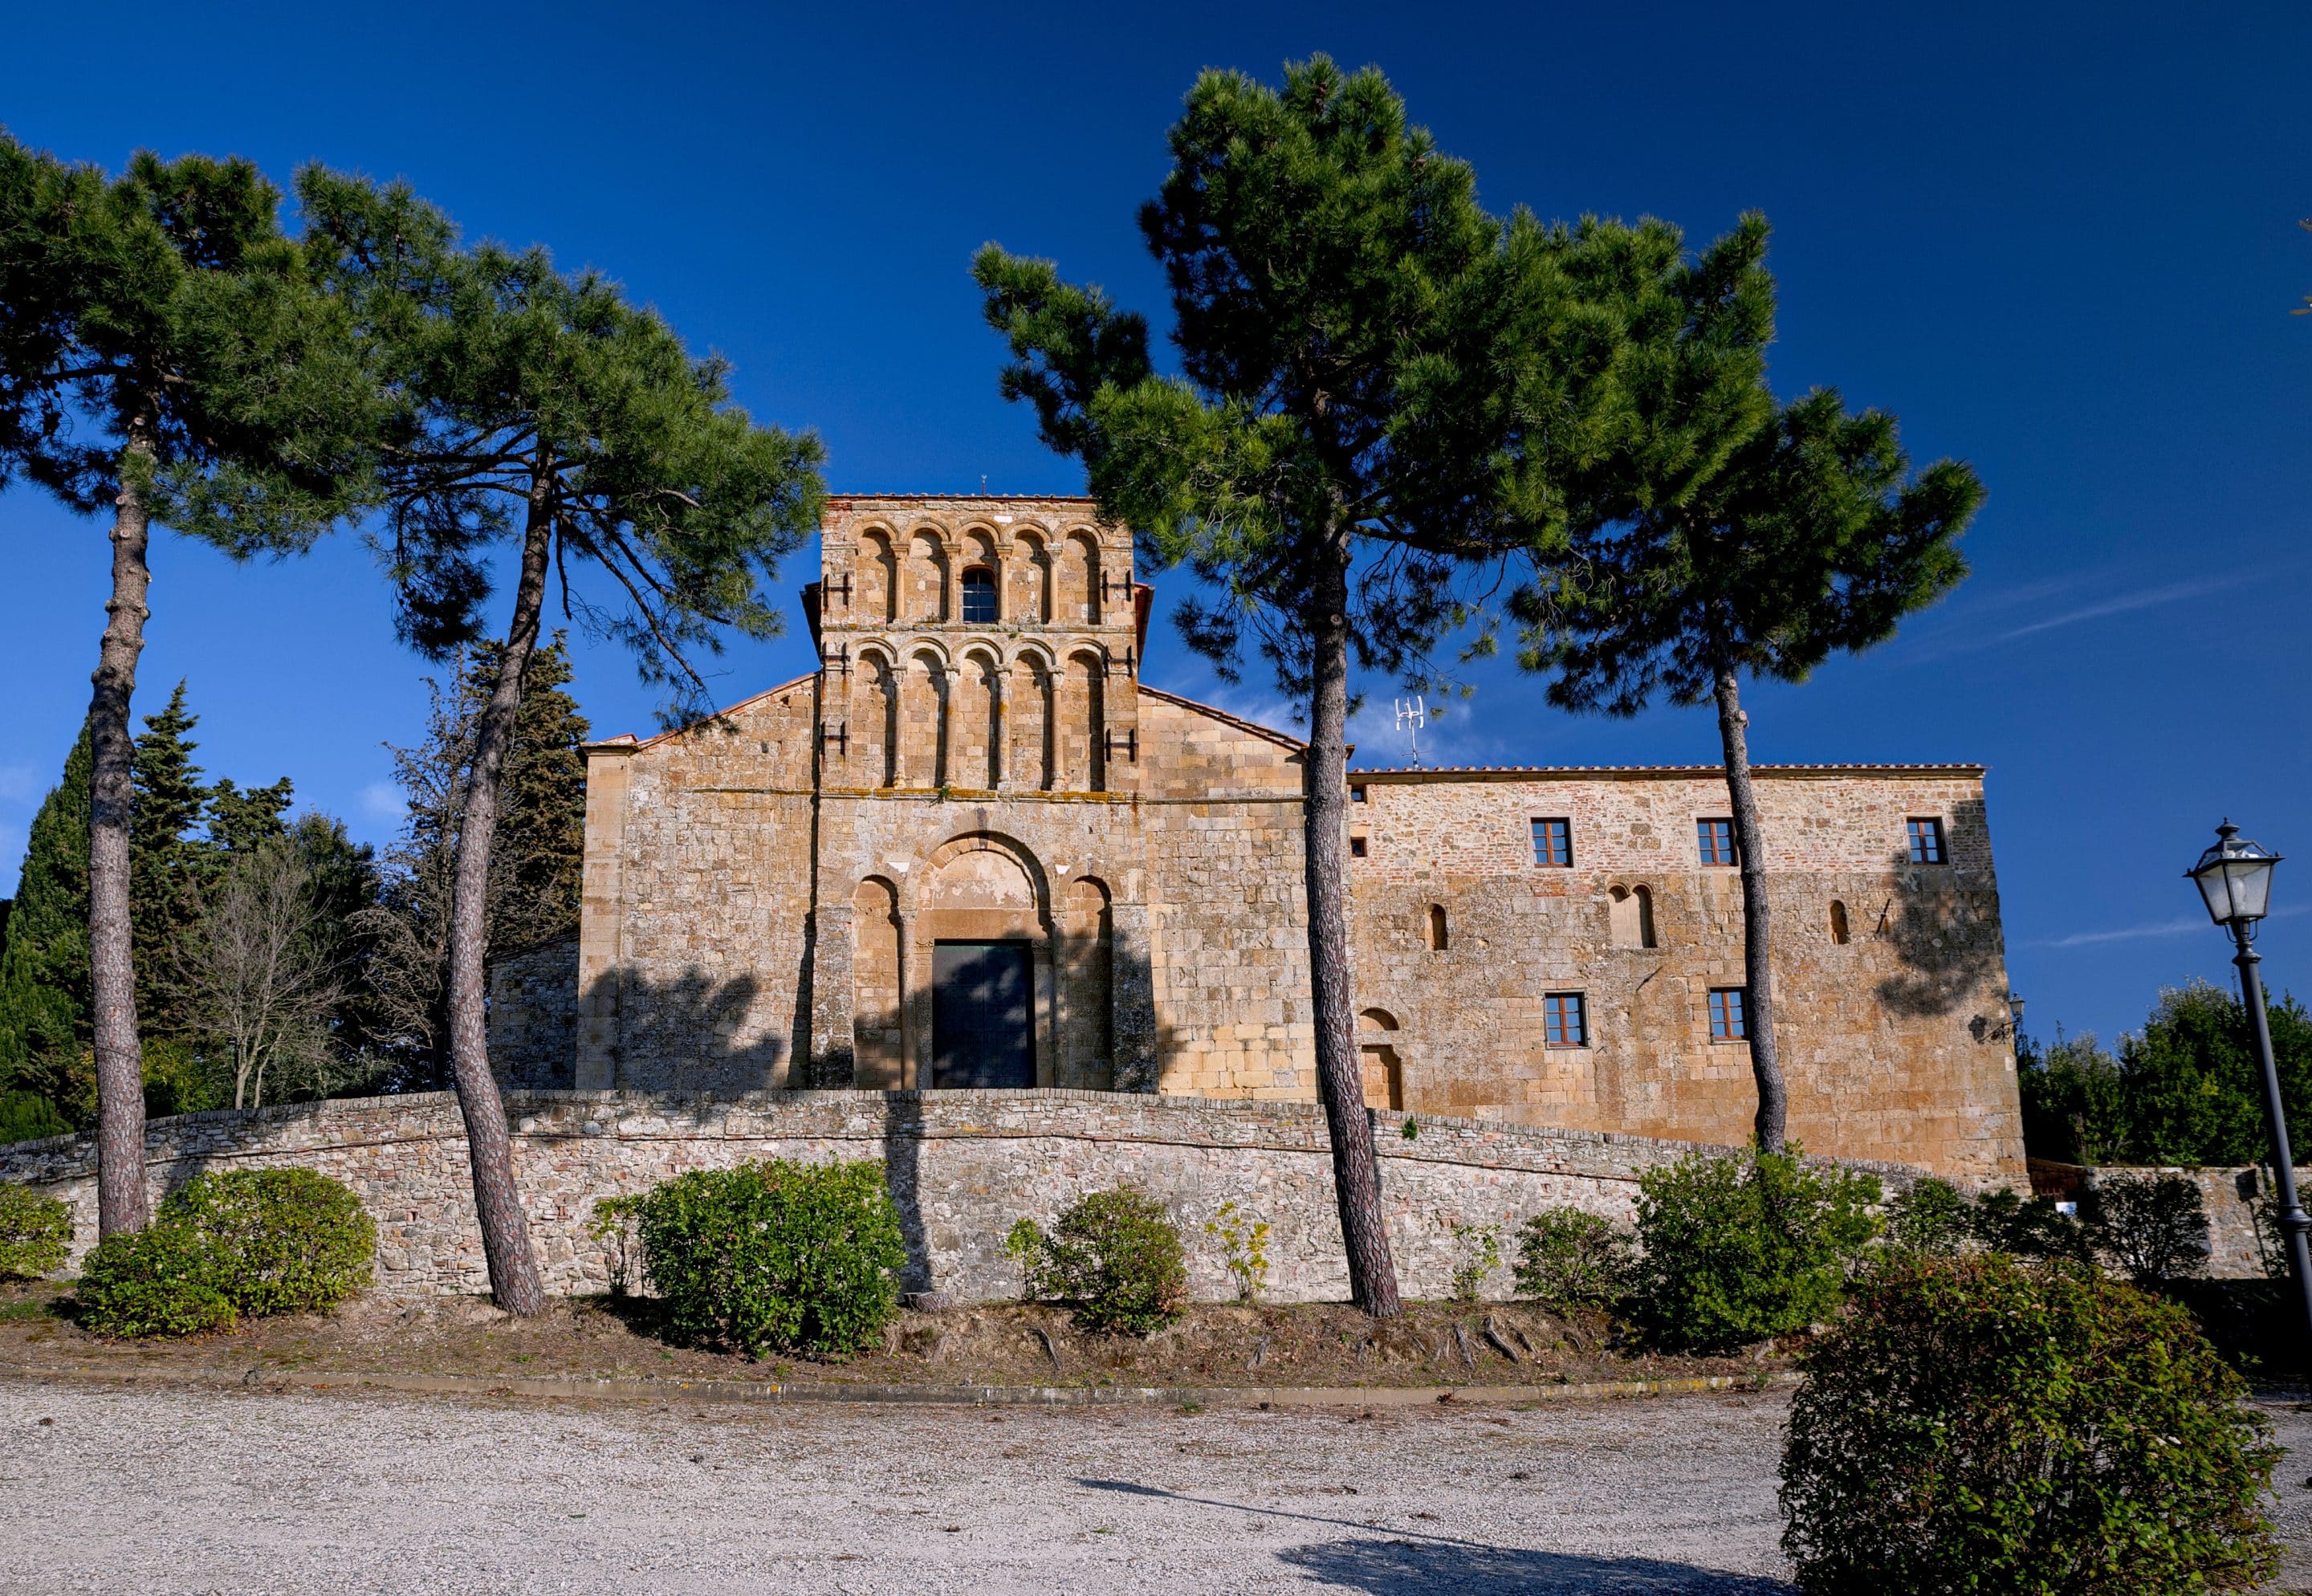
(1381, 382)
(44, 977)
(260, 971)
(537, 408)
(1745, 538)
(163, 357)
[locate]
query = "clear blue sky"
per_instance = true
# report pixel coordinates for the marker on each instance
(2059, 242)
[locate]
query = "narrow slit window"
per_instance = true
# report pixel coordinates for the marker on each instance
(1839, 932)
(1727, 1023)
(1715, 840)
(1926, 836)
(1552, 844)
(1565, 1020)
(979, 596)
(1437, 934)
(1357, 793)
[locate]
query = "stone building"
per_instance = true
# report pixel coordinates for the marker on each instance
(976, 850)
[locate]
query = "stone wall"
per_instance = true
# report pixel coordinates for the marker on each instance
(964, 1166)
(2228, 1194)
(534, 1017)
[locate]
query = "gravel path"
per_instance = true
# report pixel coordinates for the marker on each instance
(184, 1493)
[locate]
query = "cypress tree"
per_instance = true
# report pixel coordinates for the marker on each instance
(44, 969)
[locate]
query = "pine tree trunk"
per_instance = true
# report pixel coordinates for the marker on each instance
(120, 1201)
(497, 1201)
(1757, 967)
(1340, 1085)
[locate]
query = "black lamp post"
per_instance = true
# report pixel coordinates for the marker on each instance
(2234, 878)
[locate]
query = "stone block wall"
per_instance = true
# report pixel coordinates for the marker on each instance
(963, 1167)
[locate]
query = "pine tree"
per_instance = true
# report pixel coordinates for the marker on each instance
(1382, 386)
(169, 863)
(44, 971)
(537, 865)
(164, 357)
(541, 409)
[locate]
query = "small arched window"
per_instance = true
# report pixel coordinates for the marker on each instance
(1838, 931)
(979, 596)
(1436, 927)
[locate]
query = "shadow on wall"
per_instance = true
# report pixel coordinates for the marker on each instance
(1945, 929)
(685, 1033)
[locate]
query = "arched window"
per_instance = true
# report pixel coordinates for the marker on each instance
(1632, 914)
(1838, 931)
(979, 596)
(1436, 927)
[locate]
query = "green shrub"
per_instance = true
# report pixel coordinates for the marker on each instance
(1931, 1216)
(284, 1240)
(1980, 1424)
(163, 1280)
(1737, 1250)
(242, 1244)
(776, 1256)
(35, 1233)
(2027, 1227)
(2153, 1226)
(1115, 1256)
(1480, 1246)
(1568, 1259)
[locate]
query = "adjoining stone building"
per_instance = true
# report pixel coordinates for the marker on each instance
(976, 850)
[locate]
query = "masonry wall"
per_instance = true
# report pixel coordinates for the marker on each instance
(963, 1167)
(1894, 1042)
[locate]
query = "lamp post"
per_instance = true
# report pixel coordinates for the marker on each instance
(2235, 879)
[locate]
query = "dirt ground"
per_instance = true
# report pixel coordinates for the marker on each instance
(1307, 1343)
(192, 1493)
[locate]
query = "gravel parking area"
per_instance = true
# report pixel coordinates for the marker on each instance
(194, 1492)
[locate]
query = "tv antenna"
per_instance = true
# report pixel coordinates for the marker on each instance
(1410, 718)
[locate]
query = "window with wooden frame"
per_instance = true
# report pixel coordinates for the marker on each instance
(1728, 1020)
(1714, 839)
(1552, 844)
(1926, 840)
(1565, 1020)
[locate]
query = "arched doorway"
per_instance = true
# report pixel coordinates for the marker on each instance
(990, 963)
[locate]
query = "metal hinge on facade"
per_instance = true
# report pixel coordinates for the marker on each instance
(840, 736)
(1121, 586)
(1131, 739)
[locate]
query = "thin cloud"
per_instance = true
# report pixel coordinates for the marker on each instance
(2128, 933)
(19, 784)
(2143, 600)
(381, 801)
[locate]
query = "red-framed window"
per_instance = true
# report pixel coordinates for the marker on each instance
(1552, 844)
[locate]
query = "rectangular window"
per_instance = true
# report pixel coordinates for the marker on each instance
(1726, 1023)
(1565, 1020)
(1552, 844)
(1715, 838)
(1356, 795)
(1356, 847)
(1926, 841)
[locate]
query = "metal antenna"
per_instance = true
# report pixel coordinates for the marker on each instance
(1411, 717)
(983, 485)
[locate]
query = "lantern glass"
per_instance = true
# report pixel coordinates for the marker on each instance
(2234, 878)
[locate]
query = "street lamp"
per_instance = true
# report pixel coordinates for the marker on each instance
(2234, 878)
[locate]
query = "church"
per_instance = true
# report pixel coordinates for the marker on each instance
(975, 850)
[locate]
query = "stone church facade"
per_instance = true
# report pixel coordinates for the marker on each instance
(976, 850)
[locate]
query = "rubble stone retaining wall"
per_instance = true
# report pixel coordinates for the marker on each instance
(964, 1166)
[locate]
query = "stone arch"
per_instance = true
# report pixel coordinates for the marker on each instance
(1029, 600)
(876, 723)
(1381, 1063)
(1027, 708)
(978, 721)
(1077, 597)
(1631, 917)
(878, 980)
(925, 720)
(1081, 716)
(1840, 931)
(877, 575)
(926, 577)
(1084, 928)
(983, 940)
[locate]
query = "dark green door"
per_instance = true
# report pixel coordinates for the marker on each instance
(983, 1014)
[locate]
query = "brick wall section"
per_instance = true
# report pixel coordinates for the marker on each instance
(964, 1166)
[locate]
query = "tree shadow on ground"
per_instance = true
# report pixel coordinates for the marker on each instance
(1424, 1565)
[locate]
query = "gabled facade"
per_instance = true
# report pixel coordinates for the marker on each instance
(974, 849)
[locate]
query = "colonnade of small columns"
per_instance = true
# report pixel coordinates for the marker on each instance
(925, 577)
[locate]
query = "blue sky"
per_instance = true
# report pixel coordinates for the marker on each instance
(2059, 242)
